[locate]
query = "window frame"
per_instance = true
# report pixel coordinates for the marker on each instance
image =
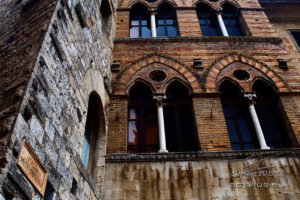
(161, 10)
(293, 39)
(211, 18)
(236, 18)
(140, 111)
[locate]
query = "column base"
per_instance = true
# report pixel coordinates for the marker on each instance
(163, 151)
(265, 147)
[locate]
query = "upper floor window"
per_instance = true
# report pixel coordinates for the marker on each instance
(142, 120)
(296, 37)
(219, 22)
(231, 20)
(166, 21)
(139, 21)
(207, 20)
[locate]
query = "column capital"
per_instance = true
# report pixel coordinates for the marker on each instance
(153, 11)
(160, 99)
(251, 98)
(218, 10)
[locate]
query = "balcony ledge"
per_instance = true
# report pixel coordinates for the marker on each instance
(275, 40)
(198, 156)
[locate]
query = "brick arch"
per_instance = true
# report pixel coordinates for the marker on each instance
(171, 2)
(194, 3)
(229, 1)
(129, 3)
(214, 70)
(124, 78)
(139, 80)
(165, 87)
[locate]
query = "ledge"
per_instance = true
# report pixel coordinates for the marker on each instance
(276, 2)
(275, 40)
(197, 156)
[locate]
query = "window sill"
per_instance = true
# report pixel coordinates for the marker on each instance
(275, 40)
(197, 156)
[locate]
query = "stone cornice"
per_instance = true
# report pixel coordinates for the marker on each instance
(197, 156)
(289, 93)
(275, 40)
(276, 2)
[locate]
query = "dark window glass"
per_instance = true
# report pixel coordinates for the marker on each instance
(231, 20)
(296, 36)
(240, 127)
(179, 120)
(92, 129)
(207, 20)
(166, 21)
(271, 116)
(142, 121)
(139, 22)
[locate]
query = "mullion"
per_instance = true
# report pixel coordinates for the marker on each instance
(142, 126)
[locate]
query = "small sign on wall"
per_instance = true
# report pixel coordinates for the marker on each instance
(32, 167)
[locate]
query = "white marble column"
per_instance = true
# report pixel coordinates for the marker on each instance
(153, 21)
(258, 129)
(220, 21)
(161, 124)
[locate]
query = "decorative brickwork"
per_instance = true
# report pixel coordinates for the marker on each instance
(128, 73)
(214, 71)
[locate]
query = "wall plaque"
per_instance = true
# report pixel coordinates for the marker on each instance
(32, 167)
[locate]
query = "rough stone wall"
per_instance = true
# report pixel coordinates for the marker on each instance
(22, 28)
(72, 61)
(266, 178)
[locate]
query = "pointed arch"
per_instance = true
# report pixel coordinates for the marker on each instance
(214, 70)
(234, 3)
(171, 2)
(175, 79)
(137, 81)
(133, 3)
(204, 2)
(231, 81)
(128, 73)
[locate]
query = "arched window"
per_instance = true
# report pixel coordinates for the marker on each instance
(93, 126)
(179, 120)
(231, 20)
(270, 116)
(207, 20)
(139, 21)
(142, 120)
(240, 127)
(166, 21)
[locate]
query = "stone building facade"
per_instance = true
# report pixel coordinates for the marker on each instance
(55, 59)
(151, 99)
